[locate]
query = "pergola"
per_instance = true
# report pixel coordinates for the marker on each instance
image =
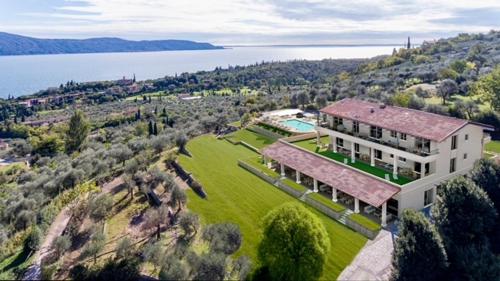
(355, 183)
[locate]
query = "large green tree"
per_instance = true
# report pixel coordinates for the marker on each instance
(295, 243)
(486, 174)
(465, 218)
(78, 129)
(419, 252)
(488, 88)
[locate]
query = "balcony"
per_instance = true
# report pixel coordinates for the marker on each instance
(413, 150)
(380, 170)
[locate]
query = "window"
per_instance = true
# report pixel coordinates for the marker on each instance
(402, 159)
(465, 156)
(428, 197)
(466, 137)
(391, 155)
(338, 121)
(394, 134)
(340, 142)
(453, 165)
(454, 142)
(355, 127)
(402, 136)
(378, 154)
(356, 147)
(375, 132)
(423, 145)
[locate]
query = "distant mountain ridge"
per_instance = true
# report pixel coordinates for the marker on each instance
(12, 44)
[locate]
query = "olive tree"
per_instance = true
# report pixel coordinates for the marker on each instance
(447, 88)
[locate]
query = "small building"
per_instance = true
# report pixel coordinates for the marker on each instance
(187, 97)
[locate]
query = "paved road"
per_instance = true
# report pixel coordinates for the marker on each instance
(373, 262)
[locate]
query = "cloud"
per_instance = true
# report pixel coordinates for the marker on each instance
(263, 21)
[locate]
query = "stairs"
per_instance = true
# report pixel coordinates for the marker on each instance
(344, 216)
(303, 196)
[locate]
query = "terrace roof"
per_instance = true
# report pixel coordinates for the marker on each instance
(413, 122)
(366, 188)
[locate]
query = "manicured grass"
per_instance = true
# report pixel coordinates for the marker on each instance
(256, 140)
(235, 124)
(366, 222)
(245, 91)
(365, 167)
(294, 185)
(256, 162)
(327, 202)
(236, 195)
(493, 146)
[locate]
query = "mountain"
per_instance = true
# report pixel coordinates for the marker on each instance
(12, 44)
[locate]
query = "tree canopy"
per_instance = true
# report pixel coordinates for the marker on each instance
(295, 243)
(78, 129)
(419, 253)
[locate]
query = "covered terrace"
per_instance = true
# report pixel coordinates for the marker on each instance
(341, 179)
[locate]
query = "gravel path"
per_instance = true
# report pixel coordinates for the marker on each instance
(373, 262)
(56, 229)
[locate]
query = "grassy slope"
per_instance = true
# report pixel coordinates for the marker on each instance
(253, 139)
(235, 195)
(439, 101)
(493, 146)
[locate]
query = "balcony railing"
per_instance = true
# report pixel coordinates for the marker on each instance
(414, 150)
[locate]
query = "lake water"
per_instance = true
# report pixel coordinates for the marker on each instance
(21, 75)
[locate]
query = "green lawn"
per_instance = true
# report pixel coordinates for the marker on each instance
(493, 146)
(236, 195)
(366, 222)
(439, 101)
(365, 167)
(256, 140)
(245, 91)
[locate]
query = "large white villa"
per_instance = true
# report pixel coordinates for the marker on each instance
(378, 159)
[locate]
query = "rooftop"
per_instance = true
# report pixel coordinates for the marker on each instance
(413, 122)
(366, 188)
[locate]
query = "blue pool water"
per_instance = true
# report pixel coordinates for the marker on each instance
(298, 125)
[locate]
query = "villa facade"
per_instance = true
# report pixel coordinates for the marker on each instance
(382, 159)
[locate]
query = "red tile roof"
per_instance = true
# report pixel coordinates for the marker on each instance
(366, 188)
(412, 122)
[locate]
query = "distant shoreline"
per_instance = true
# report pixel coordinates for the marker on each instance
(313, 45)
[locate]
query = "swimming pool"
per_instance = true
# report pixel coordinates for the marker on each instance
(299, 126)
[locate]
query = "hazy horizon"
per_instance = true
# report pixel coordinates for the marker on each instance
(246, 22)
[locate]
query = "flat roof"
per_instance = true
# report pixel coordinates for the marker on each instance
(410, 121)
(348, 180)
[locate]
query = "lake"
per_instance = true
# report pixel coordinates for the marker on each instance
(21, 75)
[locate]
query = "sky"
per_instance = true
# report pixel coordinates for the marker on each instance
(251, 22)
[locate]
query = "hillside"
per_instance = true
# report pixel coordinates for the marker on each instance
(11, 44)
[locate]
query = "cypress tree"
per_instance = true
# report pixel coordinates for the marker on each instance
(150, 128)
(155, 129)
